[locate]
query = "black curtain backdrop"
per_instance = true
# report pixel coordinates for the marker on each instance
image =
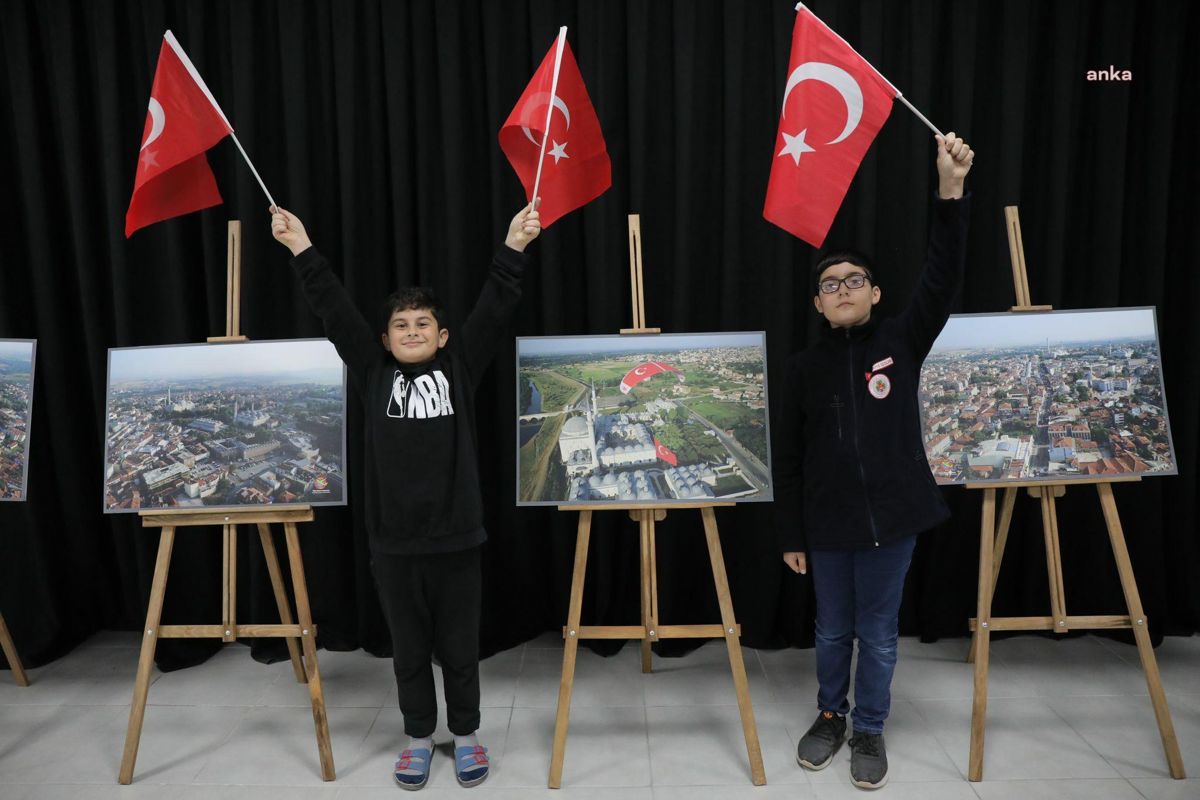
(376, 123)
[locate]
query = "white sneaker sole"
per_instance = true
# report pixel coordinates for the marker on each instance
(818, 767)
(866, 785)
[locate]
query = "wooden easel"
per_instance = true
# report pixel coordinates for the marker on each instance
(10, 653)
(650, 631)
(299, 635)
(991, 552)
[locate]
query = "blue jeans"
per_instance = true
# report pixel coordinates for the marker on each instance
(858, 596)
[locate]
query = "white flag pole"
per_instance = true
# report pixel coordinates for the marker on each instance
(899, 94)
(562, 40)
(250, 164)
(191, 68)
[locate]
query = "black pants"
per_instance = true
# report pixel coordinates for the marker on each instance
(431, 603)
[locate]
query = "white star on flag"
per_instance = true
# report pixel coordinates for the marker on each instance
(559, 151)
(796, 146)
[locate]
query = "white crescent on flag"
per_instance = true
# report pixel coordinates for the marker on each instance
(795, 144)
(158, 121)
(537, 100)
(839, 79)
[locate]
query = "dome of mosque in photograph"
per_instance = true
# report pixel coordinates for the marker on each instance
(575, 426)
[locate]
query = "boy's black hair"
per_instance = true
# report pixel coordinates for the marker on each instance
(407, 298)
(831, 257)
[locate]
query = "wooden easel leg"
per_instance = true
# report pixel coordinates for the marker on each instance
(1058, 605)
(983, 615)
(308, 637)
(1006, 513)
(758, 775)
(654, 573)
(229, 582)
(141, 686)
(646, 524)
(11, 655)
(570, 649)
(281, 602)
(1141, 632)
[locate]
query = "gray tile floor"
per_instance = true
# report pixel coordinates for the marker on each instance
(1067, 719)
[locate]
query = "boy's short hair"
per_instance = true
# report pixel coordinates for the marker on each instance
(407, 298)
(850, 256)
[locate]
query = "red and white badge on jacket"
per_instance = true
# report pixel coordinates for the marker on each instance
(879, 385)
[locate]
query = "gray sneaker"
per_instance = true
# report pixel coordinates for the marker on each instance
(868, 760)
(824, 738)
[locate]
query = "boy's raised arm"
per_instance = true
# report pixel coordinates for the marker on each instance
(345, 325)
(500, 294)
(941, 275)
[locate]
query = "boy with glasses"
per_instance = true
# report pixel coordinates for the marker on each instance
(852, 485)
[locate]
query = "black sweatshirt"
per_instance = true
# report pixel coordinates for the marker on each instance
(421, 467)
(850, 466)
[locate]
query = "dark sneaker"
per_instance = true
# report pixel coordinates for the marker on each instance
(824, 738)
(868, 760)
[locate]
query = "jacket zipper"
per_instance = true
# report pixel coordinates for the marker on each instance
(837, 409)
(862, 473)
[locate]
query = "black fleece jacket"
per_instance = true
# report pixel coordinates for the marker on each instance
(421, 464)
(850, 467)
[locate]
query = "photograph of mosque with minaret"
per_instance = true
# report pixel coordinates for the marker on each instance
(222, 425)
(642, 419)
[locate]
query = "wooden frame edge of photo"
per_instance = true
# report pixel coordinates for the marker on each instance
(300, 634)
(650, 631)
(991, 553)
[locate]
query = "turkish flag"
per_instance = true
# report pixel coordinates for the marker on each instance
(665, 454)
(643, 371)
(576, 169)
(833, 106)
(183, 121)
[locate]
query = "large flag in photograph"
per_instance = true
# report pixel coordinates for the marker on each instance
(834, 104)
(182, 122)
(575, 168)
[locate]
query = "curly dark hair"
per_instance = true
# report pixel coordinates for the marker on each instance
(408, 298)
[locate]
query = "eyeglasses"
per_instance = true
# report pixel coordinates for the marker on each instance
(854, 280)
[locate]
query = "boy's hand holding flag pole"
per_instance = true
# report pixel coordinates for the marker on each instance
(183, 121)
(581, 170)
(822, 140)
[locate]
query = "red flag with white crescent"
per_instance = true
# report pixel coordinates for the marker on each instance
(834, 104)
(182, 122)
(643, 371)
(665, 454)
(576, 167)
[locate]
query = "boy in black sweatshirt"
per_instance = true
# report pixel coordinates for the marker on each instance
(422, 497)
(853, 487)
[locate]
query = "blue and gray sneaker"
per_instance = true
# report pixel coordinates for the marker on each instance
(471, 765)
(412, 769)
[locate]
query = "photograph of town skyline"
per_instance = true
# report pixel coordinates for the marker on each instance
(1048, 396)
(16, 408)
(224, 425)
(650, 419)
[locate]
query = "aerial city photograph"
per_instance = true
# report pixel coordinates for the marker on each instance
(642, 419)
(220, 425)
(16, 405)
(1046, 396)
